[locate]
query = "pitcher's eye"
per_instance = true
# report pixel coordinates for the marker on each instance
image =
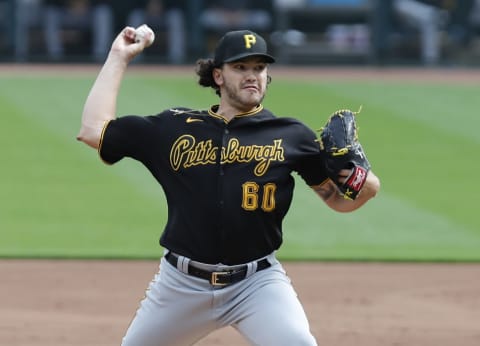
(239, 66)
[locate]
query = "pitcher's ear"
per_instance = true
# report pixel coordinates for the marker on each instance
(217, 76)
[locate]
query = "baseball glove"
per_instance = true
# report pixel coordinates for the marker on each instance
(339, 141)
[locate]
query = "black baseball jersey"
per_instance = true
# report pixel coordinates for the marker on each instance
(228, 185)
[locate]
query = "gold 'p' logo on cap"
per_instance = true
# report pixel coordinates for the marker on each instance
(249, 40)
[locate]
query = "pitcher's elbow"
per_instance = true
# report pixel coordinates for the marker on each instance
(88, 138)
(376, 186)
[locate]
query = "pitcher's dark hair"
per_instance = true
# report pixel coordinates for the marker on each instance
(204, 70)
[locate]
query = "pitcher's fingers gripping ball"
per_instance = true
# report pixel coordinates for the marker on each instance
(339, 141)
(144, 33)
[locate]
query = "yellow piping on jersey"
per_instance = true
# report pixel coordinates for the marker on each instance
(100, 143)
(256, 110)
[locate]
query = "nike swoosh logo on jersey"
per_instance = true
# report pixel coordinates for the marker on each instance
(192, 120)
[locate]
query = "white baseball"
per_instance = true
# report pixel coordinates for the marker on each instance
(143, 32)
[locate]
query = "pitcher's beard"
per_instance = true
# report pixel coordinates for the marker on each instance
(244, 103)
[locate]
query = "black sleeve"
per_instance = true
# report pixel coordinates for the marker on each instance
(311, 164)
(128, 136)
(312, 170)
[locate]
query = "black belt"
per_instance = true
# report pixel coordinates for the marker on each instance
(218, 278)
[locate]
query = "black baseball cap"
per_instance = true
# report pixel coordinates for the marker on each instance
(236, 45)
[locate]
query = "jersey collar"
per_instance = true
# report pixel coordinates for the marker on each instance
(213, 112)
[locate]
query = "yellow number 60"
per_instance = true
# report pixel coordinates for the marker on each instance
(250, 196)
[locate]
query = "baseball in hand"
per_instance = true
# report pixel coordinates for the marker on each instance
(144, 33)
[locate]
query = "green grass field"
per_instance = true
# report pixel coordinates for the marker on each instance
(59, 200)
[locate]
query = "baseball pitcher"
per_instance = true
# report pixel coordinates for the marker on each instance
(226, 172)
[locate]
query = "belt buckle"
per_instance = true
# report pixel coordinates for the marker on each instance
(215, 277)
